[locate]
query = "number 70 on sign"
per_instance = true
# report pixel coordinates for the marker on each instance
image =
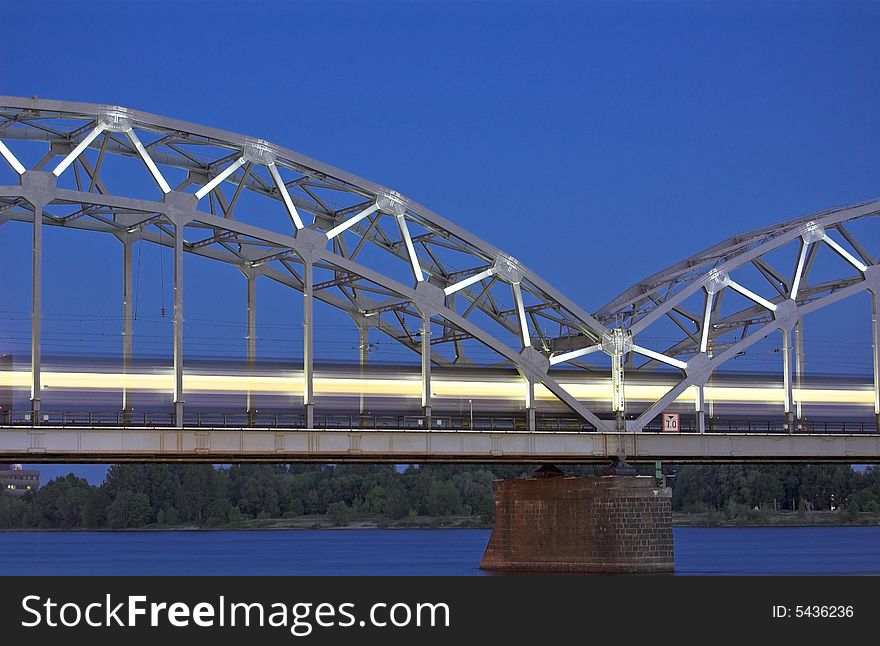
(671, 422)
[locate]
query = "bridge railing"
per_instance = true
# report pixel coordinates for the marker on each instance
(238, 419)
(733, 425)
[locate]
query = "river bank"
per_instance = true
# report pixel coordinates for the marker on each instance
(762, 518)
(709, 519)
(756, 518)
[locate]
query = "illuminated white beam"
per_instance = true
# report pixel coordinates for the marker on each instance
(660, 357)
(291, 209)
(698, 398)
(855, 262)
(760, 300)
(530, 393)
(335, 231)
(521, 314)
(210, 186)
(707, 317)
(574, 354)
(410, 249)
(12, 159)
(67, 161)
(467, 282)
(796, 283)
(151, 165)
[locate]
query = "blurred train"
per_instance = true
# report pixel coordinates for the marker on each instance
(217, 393)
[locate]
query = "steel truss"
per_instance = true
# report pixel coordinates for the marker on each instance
(316, 221)
(708, 339)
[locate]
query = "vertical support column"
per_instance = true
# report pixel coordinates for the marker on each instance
(875, 330)
(710, 405)
(36, 313)
(617, 394)
(618, 398)
(786, 379)
(308, 345)
(426, 368)
(178, 323)
(364, 347)
(799, 368)
(700, 406)
(531, 409)
(127, 324)
(251, 341)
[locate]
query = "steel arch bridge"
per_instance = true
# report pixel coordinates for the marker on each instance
(281, 216)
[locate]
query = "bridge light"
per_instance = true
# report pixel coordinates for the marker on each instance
(67, 161)
(410, 249)
(467, 282)
(846, 255)
(660, 357)
(214, 183)
(760, 300)
(574, 354)
(335, 231)
(802, 257)
(285, 195)
(151, 165)
(521, 315)
(12, 159)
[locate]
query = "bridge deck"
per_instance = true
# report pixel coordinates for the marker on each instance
(219, 445)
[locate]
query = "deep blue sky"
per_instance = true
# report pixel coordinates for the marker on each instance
(555, 130)
(597, 142)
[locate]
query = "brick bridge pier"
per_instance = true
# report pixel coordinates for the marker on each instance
(617, 524)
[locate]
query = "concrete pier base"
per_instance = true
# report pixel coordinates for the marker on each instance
(609, 524)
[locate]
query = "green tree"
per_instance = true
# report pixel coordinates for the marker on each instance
(60, 504)
(259, 496)
(338, 512)
(443, 499)
(128, 509)
(15, 512)
(218, 512)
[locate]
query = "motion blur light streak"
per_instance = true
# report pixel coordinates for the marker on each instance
(501, 388)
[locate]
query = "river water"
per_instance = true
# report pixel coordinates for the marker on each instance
(698, 551)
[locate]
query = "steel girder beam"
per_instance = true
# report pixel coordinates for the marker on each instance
(223, 445)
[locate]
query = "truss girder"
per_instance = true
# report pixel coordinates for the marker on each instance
(220, 168)
(472, 290)
(786, 296)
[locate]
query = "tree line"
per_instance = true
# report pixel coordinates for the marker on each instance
(777, 486)
(176, 495)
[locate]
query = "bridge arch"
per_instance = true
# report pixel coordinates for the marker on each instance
(460, 288)
(281, 216)
(709, 338)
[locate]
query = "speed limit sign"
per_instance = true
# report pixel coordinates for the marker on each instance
(671, 422)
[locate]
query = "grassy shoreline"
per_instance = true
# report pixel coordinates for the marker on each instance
(707, 519)
(756, 518)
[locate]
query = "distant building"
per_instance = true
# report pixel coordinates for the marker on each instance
(17, 481)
